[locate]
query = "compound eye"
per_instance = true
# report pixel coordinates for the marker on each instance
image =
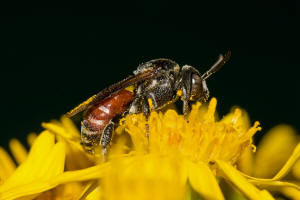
(197, 87)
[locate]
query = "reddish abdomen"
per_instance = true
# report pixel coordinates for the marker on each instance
(99, 115)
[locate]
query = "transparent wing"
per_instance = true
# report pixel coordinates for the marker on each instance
(131, 80)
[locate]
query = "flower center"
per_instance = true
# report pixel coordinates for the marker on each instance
(199, 138)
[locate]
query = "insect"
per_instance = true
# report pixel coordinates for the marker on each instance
(156, 83)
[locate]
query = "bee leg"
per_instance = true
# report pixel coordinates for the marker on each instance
(186, 85)
(186, 108)
(146, 112)
(205, 91)
(106, 138)
(135, 106)
(186, 103)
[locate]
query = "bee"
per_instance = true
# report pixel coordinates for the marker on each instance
(156, 83)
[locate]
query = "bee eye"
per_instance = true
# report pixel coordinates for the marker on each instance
(197, 88)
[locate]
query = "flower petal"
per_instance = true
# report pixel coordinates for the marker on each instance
(268, 183)
(41, 185)
(57, 129)
(203, 180)
(241, 183)
(31, 138)
(246, 161)
(70, 126)
(18, 150)
(45, 161)
(38, 153)
(7, 165)
(144, 177)
(289, 164)
(296, 170)
(291, 193)
(284, 170)
(274, 149)
(94, 195)
(65, 130)
(69, 191)
(91, 191)
(90, 173)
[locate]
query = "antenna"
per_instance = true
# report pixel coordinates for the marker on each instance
(220, 62)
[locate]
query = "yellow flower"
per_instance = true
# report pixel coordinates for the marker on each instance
(272, 153)
(179, 160)
(44, 168)
(199, 151)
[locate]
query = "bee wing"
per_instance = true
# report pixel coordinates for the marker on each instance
(131, 80)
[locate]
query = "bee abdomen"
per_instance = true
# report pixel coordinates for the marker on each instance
(98, 116)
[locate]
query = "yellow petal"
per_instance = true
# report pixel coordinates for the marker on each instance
(91, 191)
(54, 164)
(65, 191)
(291, 193)
(296, 169)
(265, 195)
(38, 152)
(210, 115)
(289, 164)
(274, 149)
(264, 183)
(31, 138)
(18, 150)
(57, 129)
(90, 173)
(65, 131)
(241, 183)
(144, 177)
(7, 165)
(284, 170)
(239, 118)
(95, 194)
(203, 180)
(41, 185)
(70, 126)
(246, 161)
(45, 161)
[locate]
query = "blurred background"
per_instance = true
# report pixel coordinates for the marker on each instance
(54, 58)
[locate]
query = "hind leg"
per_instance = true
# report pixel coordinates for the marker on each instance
(106, 138)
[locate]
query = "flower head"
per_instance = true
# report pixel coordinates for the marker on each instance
(177, 159)
(199, 138)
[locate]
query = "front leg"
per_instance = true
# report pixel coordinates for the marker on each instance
(138, 105)
(205, 91)
(186, 108)
(186, 87)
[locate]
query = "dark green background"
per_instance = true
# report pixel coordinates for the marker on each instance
(54, 58)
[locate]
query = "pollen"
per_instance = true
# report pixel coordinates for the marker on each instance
(200, 138)
(130, 88)
(179, 93)
(150, 103)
